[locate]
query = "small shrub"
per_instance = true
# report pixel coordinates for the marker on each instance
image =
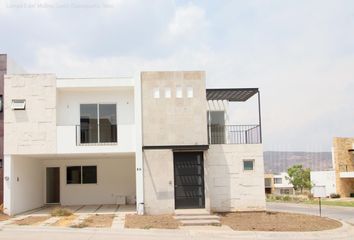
(278, 198)
(286, 198)
(310, 196)
(61, 212)
(334, 195)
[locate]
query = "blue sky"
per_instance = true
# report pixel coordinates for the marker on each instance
(299, 53)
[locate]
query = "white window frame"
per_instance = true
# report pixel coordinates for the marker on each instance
(168, 92)
(190, 92)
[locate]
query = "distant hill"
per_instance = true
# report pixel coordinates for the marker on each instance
(275, 162)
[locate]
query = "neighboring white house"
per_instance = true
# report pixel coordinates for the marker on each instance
(324, 178)
(83, 141)
(282, 184)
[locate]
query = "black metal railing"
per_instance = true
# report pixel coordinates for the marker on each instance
(234, 134)
(100, 134)
(346, 167)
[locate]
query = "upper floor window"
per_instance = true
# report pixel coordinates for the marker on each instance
(156, 92)
(179, 92)
(189, 92)
(98, 123)
(167, 92)
(278, 181)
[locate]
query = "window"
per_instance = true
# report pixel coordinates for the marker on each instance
(98, 123)
(167, 92)
(179, 92)
(278, 181)
(156, 92)
(73, 175)
(189, 92)
(81, 174)
(18, 104)
(248, 165)
(89, 174)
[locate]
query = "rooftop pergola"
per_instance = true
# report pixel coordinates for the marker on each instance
(236, 95)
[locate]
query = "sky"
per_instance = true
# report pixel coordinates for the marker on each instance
(300, 54)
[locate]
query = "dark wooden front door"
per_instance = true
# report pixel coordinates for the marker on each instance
(53, 184)
(189, 180)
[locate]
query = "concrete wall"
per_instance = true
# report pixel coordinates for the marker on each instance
(68, 117)
(158, 182)
(115, 180)
(24, 187)
(324, 178)
(341, 156)
(174, 121)
(228, 186)
(30, 131)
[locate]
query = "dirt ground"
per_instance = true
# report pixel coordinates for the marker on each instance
(31, 220)
(99, 220)
(65, 221)
(276, 221)
(147, 222)
(3, 217)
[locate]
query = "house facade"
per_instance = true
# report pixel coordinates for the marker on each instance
(160, 140)
(343, 163)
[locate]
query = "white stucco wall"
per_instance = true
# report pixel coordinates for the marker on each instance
(115, 179)
(324, 178)
(33, 130)
(68, 117)
(24, 188)
(228, 186)
(158, 182)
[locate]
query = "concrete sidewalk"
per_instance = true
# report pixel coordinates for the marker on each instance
(346, 232)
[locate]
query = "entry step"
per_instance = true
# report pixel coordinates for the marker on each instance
(199, 222)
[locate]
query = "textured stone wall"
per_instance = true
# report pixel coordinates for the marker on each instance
(341, 156)
(174, 121)
(228, 186)
(33, 130)
(158, 182)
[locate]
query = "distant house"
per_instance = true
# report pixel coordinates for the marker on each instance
(278, 184)
(343, 163)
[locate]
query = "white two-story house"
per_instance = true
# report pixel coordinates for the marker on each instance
(160, 141)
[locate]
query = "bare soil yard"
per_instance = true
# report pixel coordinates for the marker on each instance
(147, 222)
(65, 221)
(31, 220)
(3, 217)
(99, 221)
(276, 221)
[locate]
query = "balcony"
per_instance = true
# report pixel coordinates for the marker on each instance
(234, 134)
(346, 170)
(96, 134)
(84, 139)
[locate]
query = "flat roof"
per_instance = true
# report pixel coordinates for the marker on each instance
(231, 94)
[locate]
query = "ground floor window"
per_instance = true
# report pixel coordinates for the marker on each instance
(81, 174)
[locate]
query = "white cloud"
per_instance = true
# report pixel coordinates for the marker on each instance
(188, 20)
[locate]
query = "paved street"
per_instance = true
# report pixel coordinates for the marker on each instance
(341, 213)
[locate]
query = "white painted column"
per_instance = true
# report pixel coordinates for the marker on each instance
(139, 154)
(8, 182)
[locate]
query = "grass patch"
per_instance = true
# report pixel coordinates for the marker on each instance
(301, 199)
(61, 212)
(65, 221)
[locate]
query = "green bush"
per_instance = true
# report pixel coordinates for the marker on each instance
(60, 212)
(286, 198)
